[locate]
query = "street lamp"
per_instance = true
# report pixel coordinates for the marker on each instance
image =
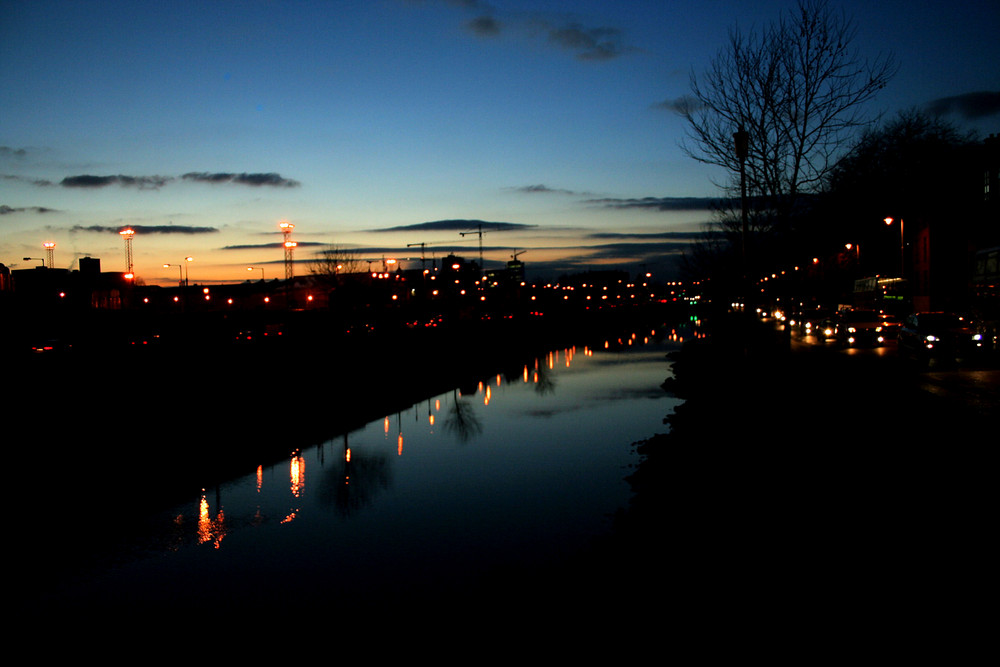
(180, 272)
(902, 246)
(742, 141)
(261, 268)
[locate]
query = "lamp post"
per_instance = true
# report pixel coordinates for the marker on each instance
(742, 142)
(180, 272)
(260, 268)
(902, 246)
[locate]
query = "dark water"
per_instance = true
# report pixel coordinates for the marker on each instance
(509, 472)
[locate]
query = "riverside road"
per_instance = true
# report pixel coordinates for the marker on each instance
(821, 497)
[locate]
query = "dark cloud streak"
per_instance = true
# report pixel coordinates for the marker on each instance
(679, 105)
(146, 229)
(659, 203)
(459, 225)
(484, 26)
(7, 151)
(970, 106)
(664, 236)
(91, 181)
(255, 180)
(590, 43)
(7, 210)
(542, 189)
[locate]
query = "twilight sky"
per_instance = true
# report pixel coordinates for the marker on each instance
(378, 124)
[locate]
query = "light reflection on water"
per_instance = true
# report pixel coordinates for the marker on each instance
(518, 468)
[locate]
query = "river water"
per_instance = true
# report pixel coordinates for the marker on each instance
(507, 473)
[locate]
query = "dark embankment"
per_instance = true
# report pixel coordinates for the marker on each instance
(801, 495)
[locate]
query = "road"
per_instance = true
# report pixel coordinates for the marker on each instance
(971, 384)
(816, 492)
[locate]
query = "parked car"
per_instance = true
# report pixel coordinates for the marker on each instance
(939, 334)
(857, 328)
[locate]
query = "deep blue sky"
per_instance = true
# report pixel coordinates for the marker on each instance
(356, 117)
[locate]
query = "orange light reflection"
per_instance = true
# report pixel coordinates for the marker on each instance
(297, 474)
(209, 529)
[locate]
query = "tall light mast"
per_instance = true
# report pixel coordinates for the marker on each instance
(127, 234)
(286, 229)
(50, 248)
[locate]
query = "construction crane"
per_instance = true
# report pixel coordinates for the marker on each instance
(423, 245)
(422, 258)
(480, 232)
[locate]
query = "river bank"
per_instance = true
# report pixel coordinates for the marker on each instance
(807, 498)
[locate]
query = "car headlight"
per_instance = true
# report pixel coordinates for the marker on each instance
(931, 338)
(977, 337)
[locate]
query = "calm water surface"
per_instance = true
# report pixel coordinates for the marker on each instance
(507, 472)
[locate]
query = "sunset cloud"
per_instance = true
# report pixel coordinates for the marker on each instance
(457, 226)
(269, 179)
(7, 210)
(659, 203)
(146, 229)
(91, 181)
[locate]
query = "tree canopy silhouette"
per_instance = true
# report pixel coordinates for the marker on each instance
(800, 90)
